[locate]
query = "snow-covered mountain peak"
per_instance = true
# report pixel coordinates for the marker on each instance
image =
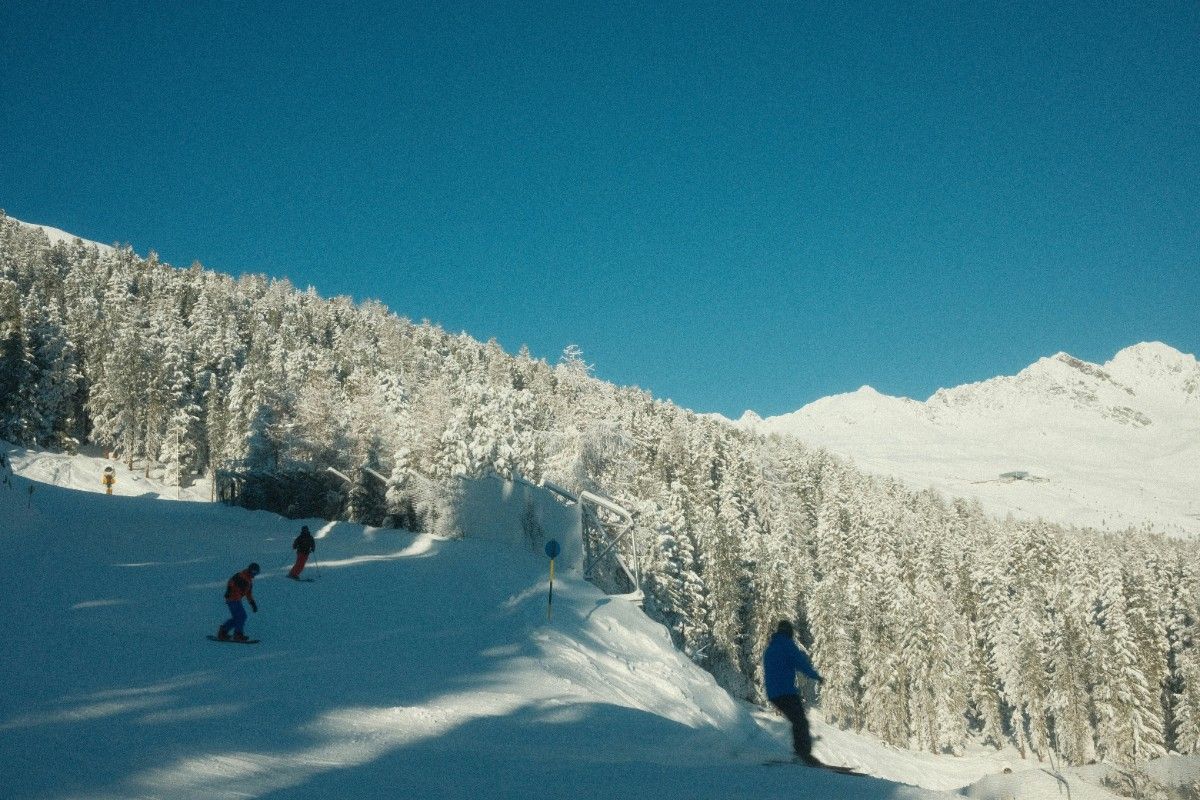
(864, 406)
(1153, 356)
(1117, 444)
(1062, 383)
(1079, 365)
(1158, 369)
(866, 396)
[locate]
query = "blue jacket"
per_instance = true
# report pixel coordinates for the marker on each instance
(781, 660)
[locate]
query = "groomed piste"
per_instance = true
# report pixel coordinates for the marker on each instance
(410, 667)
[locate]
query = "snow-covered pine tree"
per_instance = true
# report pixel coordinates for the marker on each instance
(833, 609)
(290, 379)
(1070, 677)
(14, 365)
(885, 683)
(183, 437)
(1128, 727)
(1182, 691)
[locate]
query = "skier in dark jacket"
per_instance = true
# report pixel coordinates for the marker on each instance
(239, 586)
(304, 544)
(781, 661)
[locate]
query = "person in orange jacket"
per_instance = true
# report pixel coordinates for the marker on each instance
(239, 586)
(304, 544)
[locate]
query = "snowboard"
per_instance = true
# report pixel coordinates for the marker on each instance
(831, 767)
(212, 638)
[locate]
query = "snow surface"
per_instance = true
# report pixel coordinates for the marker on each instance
(1109, 447)
(55, 236)
(411, 667)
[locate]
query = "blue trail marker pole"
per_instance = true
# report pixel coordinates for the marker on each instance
(552, 551)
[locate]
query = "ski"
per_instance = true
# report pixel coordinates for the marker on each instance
(831, 767)
(840, 769)
(212, 638)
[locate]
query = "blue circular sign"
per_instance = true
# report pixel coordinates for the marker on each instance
(552, 548)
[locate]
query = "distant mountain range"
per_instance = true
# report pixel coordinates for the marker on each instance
(1108, 446)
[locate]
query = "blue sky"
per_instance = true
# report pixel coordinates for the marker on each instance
(732, 205)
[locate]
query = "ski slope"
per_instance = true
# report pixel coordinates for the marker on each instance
(411, 667)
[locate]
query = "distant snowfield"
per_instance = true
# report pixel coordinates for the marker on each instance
(411, 667)
(1110, 447)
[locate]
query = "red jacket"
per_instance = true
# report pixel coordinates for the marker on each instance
(240, 585)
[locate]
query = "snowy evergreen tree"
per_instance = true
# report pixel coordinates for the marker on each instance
(1129, 728)
(1069, 679)
(930, 620)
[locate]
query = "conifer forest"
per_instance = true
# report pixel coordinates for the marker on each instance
(933, 623)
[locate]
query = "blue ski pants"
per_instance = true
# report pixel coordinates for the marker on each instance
(238, 616)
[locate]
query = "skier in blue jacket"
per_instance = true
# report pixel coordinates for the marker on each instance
(781, 661)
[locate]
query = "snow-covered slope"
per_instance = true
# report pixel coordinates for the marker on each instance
(55, 236)
(84, 470)
(1106, 446)
(410, 667)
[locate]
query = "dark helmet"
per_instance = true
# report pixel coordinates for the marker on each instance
(785, 626)
(254, 569)
(304, 529)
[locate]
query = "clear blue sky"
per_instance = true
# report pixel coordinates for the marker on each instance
(733, 205)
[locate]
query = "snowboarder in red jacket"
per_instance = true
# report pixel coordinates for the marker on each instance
(239, 586)
(304, 544)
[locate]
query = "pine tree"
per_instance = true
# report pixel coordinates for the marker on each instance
(1183, 681)
(885, 682)
(182, 434)
(1129, 726)
(1069, 677)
